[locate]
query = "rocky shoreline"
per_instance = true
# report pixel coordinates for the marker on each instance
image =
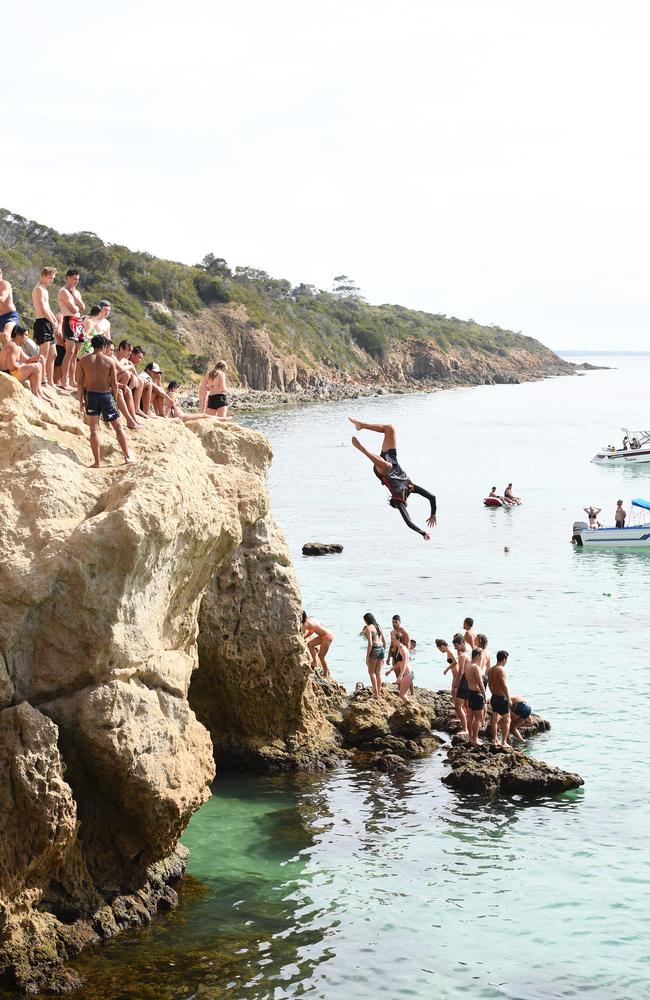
(321, 389)
(151, 623)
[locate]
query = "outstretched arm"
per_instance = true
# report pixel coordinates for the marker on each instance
(407, 520)
(431, 520)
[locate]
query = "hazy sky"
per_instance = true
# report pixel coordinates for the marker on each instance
(483, 158)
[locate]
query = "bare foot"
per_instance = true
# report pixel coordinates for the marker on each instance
(357, 444)
(358, 424)
(95, 465)
(128, 460)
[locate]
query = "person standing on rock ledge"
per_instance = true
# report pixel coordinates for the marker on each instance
(500, 700)
(97, 390)
(389, 471)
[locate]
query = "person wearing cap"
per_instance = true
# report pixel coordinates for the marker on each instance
(103, 325)
(158, 395)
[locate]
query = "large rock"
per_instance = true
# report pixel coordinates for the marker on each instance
(494, 770)
(255, 687)
(102, 573)
(321, 548)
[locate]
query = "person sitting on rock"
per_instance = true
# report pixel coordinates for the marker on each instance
(520, 713)
(319, 643)
(403, 672)
(500, 699)
(14, 361)
(392, 475)
(475, 696)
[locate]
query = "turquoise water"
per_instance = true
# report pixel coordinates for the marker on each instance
(358, 885)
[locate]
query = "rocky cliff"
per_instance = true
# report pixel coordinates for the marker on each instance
(104, 576)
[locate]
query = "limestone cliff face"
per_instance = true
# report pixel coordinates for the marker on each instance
(102, 575)
(255, 676)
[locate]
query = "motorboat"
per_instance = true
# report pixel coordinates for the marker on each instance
(634, 449)
(636, 535)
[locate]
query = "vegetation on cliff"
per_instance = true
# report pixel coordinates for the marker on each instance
(160, 304)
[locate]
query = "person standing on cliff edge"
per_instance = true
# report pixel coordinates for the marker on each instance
(97, 388)
(392, 475)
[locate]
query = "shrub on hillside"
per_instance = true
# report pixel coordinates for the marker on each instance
(211, 289)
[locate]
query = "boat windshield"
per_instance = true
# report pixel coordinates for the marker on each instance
(634, 439)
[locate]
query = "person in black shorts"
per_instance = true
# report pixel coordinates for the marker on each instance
(392, 475)
(97, 389)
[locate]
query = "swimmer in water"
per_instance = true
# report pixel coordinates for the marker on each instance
(392, 475)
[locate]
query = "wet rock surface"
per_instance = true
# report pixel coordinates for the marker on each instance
(321, 548)
(492, 770)
(384, 734)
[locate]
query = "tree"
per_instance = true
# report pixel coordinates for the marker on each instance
(215, 266)
(345, 287)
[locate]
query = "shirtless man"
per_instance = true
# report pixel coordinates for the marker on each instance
(520, 713)
(619, 515)
(463, 663)
(475, 696)
(14, 361)
(8, 315)
(453, 666)
(102, 324)
(71, 305)
(97, 390)
(392, 475)
(319, 643)
(509, 495)
(470, 634)
(500, 699)
(45, 325)
(403, 671)
(139, 384)
(397, 634)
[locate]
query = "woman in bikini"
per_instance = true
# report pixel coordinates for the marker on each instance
(403, 672)
(375, 652)
(319, 643)
(454, 667)
(486, 663)
(212, 392)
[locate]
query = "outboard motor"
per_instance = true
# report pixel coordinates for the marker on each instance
(578, 526)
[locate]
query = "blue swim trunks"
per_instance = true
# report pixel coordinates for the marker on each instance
(11, 317)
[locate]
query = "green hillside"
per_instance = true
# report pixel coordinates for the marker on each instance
(337, 328)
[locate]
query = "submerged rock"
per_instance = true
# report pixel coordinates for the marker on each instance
(320, 548)
(495, 770)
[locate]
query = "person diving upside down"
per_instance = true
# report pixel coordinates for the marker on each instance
(389, 471)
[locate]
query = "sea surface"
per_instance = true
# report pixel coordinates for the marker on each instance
(353, 885)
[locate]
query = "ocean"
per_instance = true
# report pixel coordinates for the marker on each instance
(362, 885)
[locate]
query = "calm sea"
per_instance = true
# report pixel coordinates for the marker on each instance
(357, 885)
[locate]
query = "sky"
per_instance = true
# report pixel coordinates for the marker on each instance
(487, 159)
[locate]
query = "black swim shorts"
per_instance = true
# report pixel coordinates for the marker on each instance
(217, 400)
(60, 354)
(500, 704)
(462, 690)
(102, 404)
(475, 700)
(43, 332)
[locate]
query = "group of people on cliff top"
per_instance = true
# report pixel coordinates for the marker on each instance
(468, 660)
(72, 351)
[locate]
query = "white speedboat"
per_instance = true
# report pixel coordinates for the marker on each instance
(635, 535)
(635, 449)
